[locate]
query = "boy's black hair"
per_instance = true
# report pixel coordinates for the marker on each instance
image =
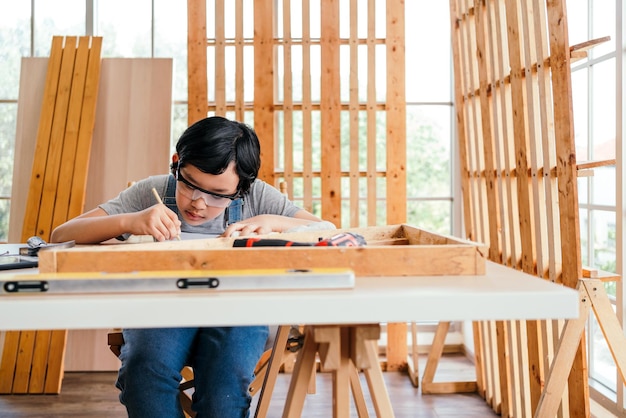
(211, 144)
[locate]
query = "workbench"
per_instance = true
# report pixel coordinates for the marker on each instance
(500, 294)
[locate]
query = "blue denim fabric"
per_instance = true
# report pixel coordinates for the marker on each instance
(223, 360)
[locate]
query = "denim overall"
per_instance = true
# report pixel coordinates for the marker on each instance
(223, 360)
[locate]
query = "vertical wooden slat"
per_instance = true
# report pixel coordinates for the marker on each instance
(493, 198)
(397, 350)
(307, 109)
(287, 95)
(197, 85)
(264, 85)
(370, 105)
(567, 187)
(330, 112)
(220, 59)
(354, 117)
(239, 62)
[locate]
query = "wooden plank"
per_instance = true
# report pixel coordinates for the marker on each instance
(567, 185)
(197, 84)
(264, 85)
(288, 125)
(9, 360)
(396, 152)
(56, 360)
(220, 59)
(31, 212)
(57, 141)
(354, 118)
(86, 136)
(23, 363)
(307, 109)
(239, 62)
(68, 152)
(330, 103)
(39, 362)
(370, 120)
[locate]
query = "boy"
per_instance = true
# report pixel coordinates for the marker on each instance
(212, 189)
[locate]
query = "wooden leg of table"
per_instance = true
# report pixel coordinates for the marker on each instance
(301, 376)
(413, 364)
(563, 359)
(272, 369)
(376, 383)
(357, 392)
(436, 351)
(341, 378)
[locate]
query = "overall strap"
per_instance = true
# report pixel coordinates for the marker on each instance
(170, 194)
(234, 212)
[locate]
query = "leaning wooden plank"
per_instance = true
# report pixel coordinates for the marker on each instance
(57, 139)
(85, 132)
(39, 362)
(56, 360)
(24, 361)
(9, 359)
(68, 152)
(31, 212)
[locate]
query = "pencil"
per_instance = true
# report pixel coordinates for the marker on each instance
(158, 198)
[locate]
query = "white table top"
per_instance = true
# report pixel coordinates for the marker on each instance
(501, 294)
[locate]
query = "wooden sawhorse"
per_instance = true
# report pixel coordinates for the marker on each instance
(592, 295)
(343, 350)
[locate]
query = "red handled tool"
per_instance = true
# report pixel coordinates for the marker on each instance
(344, 239)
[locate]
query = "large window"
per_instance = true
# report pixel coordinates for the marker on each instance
(158, 28)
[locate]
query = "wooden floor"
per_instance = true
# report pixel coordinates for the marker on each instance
(94, 395)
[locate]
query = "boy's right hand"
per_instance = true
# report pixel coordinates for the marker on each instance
(158, 220)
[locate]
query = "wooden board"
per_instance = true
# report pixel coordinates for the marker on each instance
(133, 115)
(392, 250)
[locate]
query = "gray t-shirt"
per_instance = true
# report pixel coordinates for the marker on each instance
(259, 200)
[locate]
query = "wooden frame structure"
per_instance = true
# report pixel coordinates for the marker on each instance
(296, 119)
(519, 179)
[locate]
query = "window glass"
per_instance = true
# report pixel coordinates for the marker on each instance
(57, 18)
(170, 41)
(603, 24)
(428, 58)
(603, 114)
(126, 28)
(428, 151)
(14, 44)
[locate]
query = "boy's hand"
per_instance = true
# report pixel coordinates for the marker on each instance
(265, 224)
(158, 221)
(257, 225)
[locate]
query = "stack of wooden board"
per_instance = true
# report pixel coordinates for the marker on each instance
(32, 361)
